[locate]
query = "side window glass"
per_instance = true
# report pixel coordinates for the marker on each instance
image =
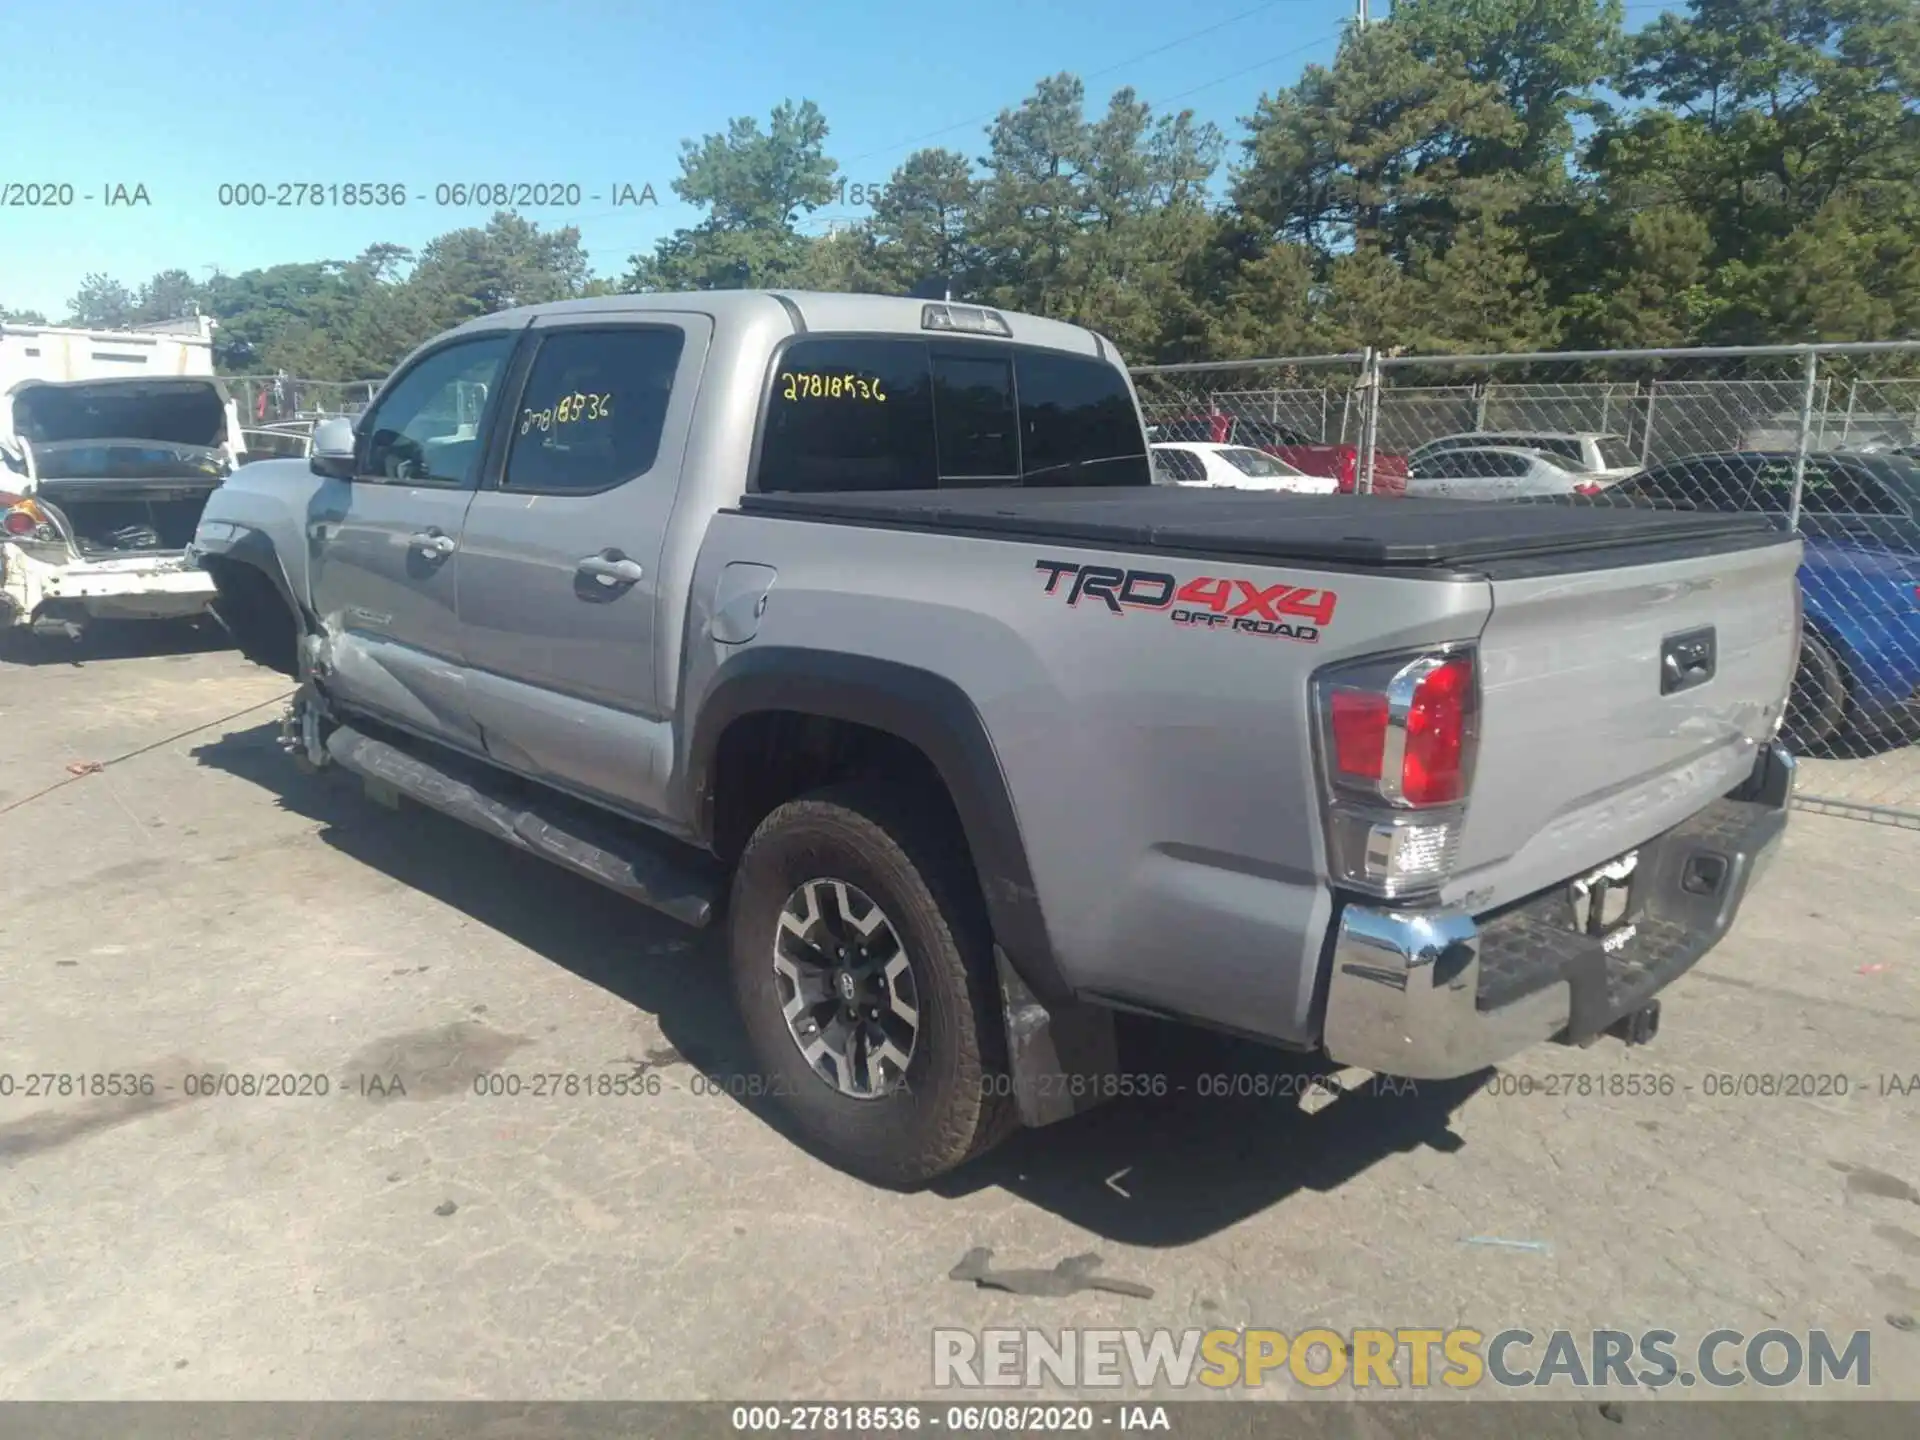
(1773, 490)
(1831, 489)
(974, 419)
(1181, 465)
(1077, 423)
(427, 428)
(592, 410)
(849, 415)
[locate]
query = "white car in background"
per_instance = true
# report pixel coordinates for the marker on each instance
(1501, 473)
(1235, 467)
(1604, 456)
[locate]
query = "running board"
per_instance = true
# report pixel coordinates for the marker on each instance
(685, 889)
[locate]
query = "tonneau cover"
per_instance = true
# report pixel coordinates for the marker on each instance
(1348, 529)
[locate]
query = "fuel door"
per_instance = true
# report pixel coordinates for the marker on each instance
(739, 600)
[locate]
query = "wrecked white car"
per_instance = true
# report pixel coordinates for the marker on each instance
(101, 485)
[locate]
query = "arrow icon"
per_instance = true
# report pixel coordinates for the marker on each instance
(1111, 1185)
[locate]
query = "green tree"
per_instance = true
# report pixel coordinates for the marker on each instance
(1543, 57)
(1376, 145)
(755, 184)
(1792, 129)
(510, 261)
(1034, 200)
(21, 317)
(922, 221)
(101, 303)
(169, 295)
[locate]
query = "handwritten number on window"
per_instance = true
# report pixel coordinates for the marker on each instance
(576, 408)
(811, 385)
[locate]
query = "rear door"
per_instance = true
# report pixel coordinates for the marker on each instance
(384, 547)
(560, 553)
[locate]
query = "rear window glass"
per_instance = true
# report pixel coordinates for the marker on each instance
(906, 414)
(978, 436)
(1615, 454)
(1077, 423)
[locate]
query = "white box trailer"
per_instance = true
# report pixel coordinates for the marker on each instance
(110, 443)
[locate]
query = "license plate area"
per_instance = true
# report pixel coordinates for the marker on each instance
(1602, 899)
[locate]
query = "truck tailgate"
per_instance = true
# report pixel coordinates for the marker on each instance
(1616, 702)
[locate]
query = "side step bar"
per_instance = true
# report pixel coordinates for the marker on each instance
(682, 888)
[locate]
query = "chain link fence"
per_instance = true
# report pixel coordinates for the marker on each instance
(277, 412)
(1824, 438)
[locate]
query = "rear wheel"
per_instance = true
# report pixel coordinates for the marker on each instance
(862, 966)
(1817, 703)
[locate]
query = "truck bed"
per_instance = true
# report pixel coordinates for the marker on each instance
(1357, 531)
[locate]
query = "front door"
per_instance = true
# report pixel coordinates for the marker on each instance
(385, 546)
(560, 555)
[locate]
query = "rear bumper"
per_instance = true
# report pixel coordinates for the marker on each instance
(132, 587)
(1433, 994)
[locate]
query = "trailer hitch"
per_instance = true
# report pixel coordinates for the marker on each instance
(1639, 1026)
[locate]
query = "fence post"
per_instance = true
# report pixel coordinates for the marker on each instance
(1806, 428)
(1369, 421)
(1480, 404)
(1646, 440)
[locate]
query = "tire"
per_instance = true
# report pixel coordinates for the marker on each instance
(955, 1101)
(1817, 700)
(248, 607)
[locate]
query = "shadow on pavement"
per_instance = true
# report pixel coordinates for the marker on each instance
(106, 640)
(1223, 1137)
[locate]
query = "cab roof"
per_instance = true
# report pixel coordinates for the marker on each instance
(811, 312)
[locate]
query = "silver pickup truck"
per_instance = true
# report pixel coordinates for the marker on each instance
(859, 620)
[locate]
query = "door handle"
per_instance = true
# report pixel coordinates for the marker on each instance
(611, 568)
(433, 542)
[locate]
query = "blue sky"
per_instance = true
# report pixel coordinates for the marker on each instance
(590, 92)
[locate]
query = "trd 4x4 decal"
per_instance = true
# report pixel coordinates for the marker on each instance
(1246, 607)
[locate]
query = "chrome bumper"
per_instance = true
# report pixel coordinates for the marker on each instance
(1404, 997)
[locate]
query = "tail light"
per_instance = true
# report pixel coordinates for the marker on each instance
(1398, 735)
(22, 519)
(1349, 471)
(1588, 487)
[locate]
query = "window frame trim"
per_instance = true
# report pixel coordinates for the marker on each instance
(495, 478)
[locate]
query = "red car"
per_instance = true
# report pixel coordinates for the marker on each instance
(1309, 457)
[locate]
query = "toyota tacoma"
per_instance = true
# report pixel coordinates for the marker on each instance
(856, 623)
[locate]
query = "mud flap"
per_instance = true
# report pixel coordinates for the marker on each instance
(1057, 1055)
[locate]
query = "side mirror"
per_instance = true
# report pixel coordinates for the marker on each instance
(331, 450)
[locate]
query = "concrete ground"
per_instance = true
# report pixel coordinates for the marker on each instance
(199, 908)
